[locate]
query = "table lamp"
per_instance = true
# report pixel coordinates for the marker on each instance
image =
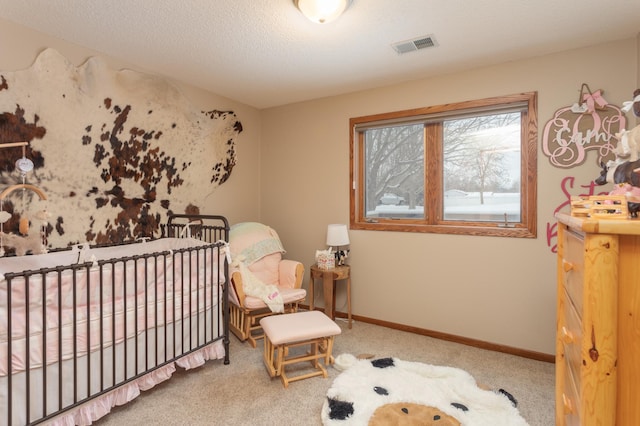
(337, 235)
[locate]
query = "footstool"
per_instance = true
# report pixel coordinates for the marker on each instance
(286, 331)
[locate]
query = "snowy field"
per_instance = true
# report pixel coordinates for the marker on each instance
(463, 207)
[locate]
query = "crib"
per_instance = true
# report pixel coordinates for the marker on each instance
(85, 329)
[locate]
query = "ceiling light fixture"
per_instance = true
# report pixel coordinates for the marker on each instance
(322, 11)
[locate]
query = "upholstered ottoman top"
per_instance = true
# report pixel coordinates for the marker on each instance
(298, 326)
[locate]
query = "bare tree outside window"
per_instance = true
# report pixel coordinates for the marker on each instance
(456, 168)
(394, 169)
(481, 164)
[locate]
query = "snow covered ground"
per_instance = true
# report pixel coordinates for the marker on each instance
(462, 208)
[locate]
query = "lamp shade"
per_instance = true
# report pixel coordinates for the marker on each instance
(337, 235)
(322, 11)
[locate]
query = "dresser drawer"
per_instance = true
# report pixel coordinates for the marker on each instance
(571, 336)
(570, 398)
(573, 269)
(598, 327)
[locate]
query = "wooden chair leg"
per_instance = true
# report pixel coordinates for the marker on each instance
(314, 353)
(349, 299)
(237, 322)
(328, 357)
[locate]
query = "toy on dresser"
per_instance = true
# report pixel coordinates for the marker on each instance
(626, 178)
(628, 144)
(624, 171)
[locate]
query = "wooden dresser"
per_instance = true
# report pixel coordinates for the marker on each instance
(598, 323)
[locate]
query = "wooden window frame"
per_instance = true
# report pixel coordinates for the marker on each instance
(433, 193)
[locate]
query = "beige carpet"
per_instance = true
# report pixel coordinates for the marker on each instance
(242, 393)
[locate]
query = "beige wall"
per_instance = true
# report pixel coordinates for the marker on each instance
(239, 197)
(499, 290)
(293, 173)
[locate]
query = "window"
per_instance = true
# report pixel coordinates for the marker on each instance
(465, 168)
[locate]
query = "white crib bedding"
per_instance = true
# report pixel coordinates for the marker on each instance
(169, 307)
(80, 254)
(157, 299)
(100, 367)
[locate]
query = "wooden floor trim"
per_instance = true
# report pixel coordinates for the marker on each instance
(539, 356)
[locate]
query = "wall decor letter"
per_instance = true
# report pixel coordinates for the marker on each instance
(589, 124)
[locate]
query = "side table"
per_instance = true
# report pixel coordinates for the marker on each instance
(329, 279)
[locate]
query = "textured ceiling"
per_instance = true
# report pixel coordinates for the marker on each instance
(264, 53)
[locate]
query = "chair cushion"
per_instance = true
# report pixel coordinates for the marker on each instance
(289, 295)
(298, 327)
(267, 268)
(233, 294)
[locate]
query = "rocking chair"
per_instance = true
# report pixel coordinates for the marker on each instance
(258, 249)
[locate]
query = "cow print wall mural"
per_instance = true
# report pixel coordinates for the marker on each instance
(114, 151)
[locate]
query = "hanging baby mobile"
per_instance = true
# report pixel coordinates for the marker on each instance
(589, 124)
(25, 240)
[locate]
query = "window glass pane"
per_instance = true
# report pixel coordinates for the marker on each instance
(481, 168)
(394, 172)
(463, 168)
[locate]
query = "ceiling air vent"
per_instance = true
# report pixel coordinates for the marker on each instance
(415, 44)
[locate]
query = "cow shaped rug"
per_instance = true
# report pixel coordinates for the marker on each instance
(390, 391)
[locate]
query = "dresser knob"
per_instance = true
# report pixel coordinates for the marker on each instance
(568, 405)
(567, 266)
(567, 336)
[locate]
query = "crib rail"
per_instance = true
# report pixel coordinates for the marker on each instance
(129, 317)
(196, 226)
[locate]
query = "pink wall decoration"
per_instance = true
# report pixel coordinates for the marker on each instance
(569, 188)
(588, 125)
